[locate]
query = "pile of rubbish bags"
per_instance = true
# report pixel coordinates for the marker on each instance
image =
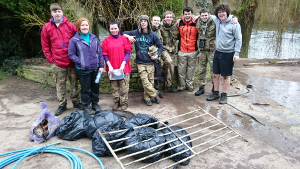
(80, 124)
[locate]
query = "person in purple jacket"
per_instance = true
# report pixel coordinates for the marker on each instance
(85, 51)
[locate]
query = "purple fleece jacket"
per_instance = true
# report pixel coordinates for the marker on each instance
(86, 56)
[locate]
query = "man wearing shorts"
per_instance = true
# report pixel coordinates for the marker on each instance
(228, 46)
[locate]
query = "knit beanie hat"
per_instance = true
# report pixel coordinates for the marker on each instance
(145, 17)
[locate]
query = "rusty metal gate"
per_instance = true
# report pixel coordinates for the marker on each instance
(205, 131)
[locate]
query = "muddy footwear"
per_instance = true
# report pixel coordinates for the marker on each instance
(78, 106)
(148, 102)
(223, 99)
(124, 107)
(60, 110)
(88, 109)
(213, 96)
(180, 89)
(200, 91)
(115, 106)
(96, 107)
(189, 89)
(171, 89)
(157, 99)
(160, 95)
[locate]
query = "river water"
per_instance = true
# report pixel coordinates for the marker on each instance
(262, 43)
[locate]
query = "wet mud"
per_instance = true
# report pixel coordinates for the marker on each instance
(275, 145)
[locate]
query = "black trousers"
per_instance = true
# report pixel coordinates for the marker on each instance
(89, 89)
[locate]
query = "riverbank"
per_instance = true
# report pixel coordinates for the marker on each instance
(275, 145)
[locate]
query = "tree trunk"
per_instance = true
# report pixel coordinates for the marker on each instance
(245, 15)
(215, 3)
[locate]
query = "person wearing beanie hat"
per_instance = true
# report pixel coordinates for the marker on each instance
(143, 38)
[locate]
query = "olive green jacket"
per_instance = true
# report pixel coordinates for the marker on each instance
(169, 35)
(210, 34)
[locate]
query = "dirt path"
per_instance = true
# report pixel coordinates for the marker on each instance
(275, 145)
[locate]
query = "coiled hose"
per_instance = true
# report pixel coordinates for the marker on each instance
(21, 154)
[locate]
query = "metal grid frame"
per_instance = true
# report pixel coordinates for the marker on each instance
(213, 137)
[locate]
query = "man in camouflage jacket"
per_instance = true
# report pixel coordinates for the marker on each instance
(169, 34)
(206, 41)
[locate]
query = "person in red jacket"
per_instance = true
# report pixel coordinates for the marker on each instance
(116, 50)
(55, 37)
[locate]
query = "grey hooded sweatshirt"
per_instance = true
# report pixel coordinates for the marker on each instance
(228, 36)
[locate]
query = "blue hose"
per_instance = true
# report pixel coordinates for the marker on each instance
(21, 154)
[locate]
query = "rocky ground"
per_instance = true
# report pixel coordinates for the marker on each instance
(273, 141)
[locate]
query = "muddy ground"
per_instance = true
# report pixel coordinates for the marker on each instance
(273, 141)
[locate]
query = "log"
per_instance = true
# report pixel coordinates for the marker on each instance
(270, 62)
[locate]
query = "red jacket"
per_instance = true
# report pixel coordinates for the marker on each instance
(55, 42)
(188, 36)
(115, 50)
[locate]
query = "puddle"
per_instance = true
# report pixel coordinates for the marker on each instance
(285, 93)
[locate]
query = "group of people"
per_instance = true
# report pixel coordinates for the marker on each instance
(74, 52)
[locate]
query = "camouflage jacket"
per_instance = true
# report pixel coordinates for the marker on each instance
(156, 30)
(210, 34)
(169, 34)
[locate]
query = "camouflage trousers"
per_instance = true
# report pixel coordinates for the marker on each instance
(205, 58)
(146, 73)
(120, 89)
(186, 69)
(60, 77)
(168, 67)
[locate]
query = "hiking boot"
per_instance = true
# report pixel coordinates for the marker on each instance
(88, 109)
(124, 107)
(157, 100)
(115, 106)
(60, 110)
(213, 96)
(180, 89)
(171, 89)
(78, 106)
(148, 102)
(223, 99)
(200, 91)
(96, 107)
(189, 89)
(160, 95)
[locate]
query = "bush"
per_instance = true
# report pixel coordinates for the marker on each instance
(11, 64)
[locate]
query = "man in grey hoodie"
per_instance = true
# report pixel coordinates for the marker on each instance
(228, 46)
